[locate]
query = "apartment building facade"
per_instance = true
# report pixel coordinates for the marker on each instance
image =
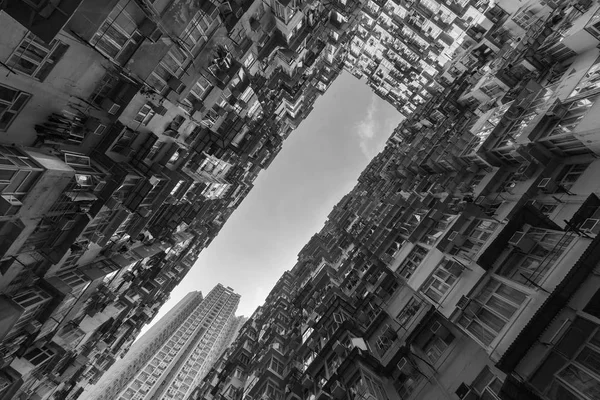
(176, 352)
(463, 265)
(130, 131)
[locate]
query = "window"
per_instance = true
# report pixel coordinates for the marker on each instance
(196, 31)
(172, 65)
(198, 91)
(249, 60)
(572, 369)
(385, 340)
(35, 58)
(18, 172)
(435, 347)
(73, 278)
(39, 356)
(589, 82)
(487, 314)
(482, 232)
(12, 102)
(442, 279)
(487, 385)
(570, 174)
(408, 312)
(412, 261)
(118, 37)
(144, 115)
(276, 366)
(371, 384)
(531, 268)
(210, 118)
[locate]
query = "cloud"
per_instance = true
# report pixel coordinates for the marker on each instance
(367, 129)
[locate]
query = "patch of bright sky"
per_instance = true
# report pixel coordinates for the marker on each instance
(319, 163)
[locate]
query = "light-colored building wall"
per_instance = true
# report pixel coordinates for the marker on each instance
(74, 77)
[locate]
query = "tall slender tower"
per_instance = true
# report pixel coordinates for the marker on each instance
(169, 360)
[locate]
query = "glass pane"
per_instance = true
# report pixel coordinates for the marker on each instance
(501, 307)
(115, 35)
(6, 175)
(7, 94)
(581, 380)
(108, 47)
(22, 65)
(481, 333)
(511, 294)
(559, 392)
(590, 359)
(491, 320)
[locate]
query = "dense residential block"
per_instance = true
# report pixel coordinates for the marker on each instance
(463, 264)
(168, 360)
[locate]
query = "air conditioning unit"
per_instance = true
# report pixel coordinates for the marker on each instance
(95, 126)
(547, 185)
(521, 241)
(110, 106)
(9, 205)
(435, 327)
(66, 224)
(591, 225)
(176, 84)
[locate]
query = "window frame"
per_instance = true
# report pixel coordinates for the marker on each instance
(453, 270)
(53, 52)
(412, 261)
(473, 325)
(133, 39)
(12, 107)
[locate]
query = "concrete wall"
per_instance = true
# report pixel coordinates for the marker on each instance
(9, 315)
(462, 362)
(577, 38)
(76, 74)
(42, 195)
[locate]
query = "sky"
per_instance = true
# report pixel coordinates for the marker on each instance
(318, 164)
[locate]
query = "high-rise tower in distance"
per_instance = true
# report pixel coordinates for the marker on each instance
(169, 360)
